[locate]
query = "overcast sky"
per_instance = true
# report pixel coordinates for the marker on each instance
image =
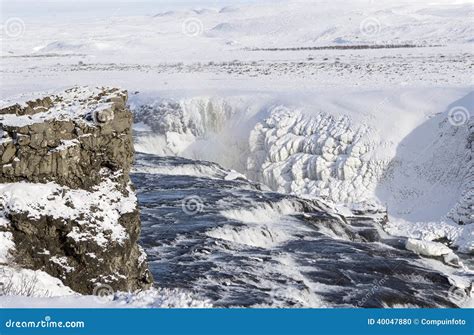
(96, 8)
(103, 8)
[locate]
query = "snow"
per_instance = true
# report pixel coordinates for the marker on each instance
(66, 144)
(6, 244)
(73, 103)
(461, 236)
(232, 175)
(120, 34)
(17, 282)
(63, 262)
(427, 248)
(47, 291)
(54, 200)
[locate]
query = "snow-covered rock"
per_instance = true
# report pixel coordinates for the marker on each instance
(433, 249)
(65, 136)
(67, 206)
(427, 248)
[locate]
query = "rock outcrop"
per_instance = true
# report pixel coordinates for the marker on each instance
(67, 205)
(67, 138)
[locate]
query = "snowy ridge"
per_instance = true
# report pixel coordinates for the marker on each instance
(72, 103)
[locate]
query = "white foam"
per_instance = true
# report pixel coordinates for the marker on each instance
(263, 213)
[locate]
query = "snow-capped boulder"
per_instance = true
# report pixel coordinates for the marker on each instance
(427, 248)
(433, 249)
(67, 205)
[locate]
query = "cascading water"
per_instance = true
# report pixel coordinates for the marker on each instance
(236, 243)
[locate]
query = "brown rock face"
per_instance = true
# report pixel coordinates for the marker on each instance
(71, 208)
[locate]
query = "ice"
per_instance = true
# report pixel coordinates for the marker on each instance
(460, 236)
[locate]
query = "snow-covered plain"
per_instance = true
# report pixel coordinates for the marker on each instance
(302, 96)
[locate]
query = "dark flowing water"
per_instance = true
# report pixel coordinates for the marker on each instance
(238, 245)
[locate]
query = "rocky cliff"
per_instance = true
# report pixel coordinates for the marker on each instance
(67, 205)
